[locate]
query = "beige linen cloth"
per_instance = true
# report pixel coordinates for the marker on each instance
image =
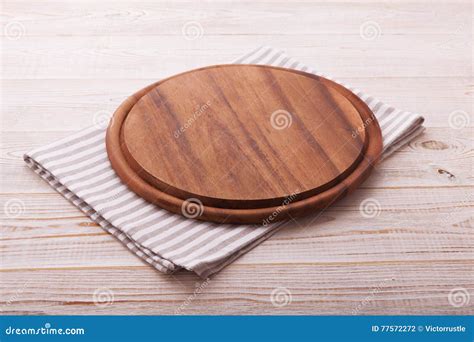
(78, 168)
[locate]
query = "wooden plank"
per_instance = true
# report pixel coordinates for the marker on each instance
(441, 157)
(48, 227)
(123, 57)
(390, 288)
(67, 104)
(159, 18)
(44, 215)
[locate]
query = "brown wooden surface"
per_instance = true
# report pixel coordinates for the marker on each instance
(243, 139)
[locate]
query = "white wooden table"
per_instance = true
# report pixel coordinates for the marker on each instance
(65, 62)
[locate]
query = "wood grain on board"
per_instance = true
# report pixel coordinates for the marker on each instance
(245, 140)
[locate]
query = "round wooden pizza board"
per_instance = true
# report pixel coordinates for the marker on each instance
(243, 143)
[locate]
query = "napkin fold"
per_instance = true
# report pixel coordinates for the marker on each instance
(78, 168)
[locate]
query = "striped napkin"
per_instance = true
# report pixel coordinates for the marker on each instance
(78, 168)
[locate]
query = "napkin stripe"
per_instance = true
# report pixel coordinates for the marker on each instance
(154, 260)
(79, 169)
